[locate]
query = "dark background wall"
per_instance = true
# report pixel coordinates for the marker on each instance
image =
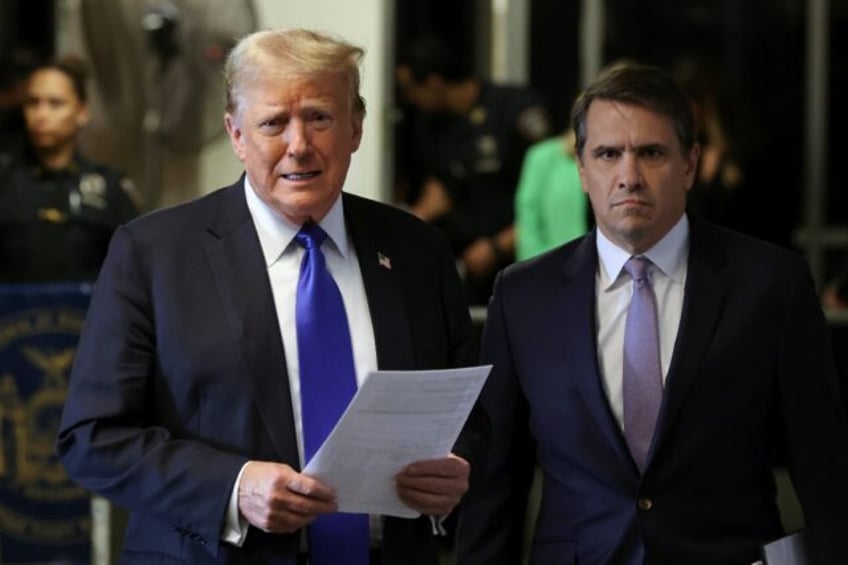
(27, 24)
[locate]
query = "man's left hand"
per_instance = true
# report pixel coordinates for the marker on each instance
(434, 487)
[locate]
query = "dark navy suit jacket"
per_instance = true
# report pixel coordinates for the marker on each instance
(180, 376)
(751, 382)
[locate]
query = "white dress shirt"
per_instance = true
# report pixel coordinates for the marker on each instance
(283, 257)
(614, 288)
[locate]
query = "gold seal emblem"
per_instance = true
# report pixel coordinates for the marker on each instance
(38, 503)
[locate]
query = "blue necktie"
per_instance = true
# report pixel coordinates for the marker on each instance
(642, 386)
(327, 383)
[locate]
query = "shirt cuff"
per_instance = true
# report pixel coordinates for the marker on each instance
(437, 524)
(235, 525)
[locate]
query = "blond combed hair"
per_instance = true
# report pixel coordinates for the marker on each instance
(293, 54)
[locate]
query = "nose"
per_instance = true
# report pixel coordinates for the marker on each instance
(629, 174)
(295, 137)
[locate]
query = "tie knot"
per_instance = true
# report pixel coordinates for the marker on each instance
(311, 236)
(637, 268)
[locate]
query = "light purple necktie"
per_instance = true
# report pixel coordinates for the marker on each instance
(642, 370)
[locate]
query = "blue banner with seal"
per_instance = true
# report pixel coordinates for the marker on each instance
(44, 518)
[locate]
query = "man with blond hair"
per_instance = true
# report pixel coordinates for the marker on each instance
(192, 398)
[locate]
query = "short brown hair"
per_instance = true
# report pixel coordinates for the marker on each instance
(643, 85)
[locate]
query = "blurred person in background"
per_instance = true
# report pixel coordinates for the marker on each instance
(550, 205)
(719, 193)
(474, 150)
(58, 209)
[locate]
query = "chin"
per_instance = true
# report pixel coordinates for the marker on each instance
(301, 211)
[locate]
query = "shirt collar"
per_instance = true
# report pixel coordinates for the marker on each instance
(276, 232)
(669, 255)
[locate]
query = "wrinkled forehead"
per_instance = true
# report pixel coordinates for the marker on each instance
(629, 124)
(281, 82)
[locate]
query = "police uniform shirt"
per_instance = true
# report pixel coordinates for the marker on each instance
(479, 157)
(55, 225)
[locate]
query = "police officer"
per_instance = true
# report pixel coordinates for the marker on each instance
(58, 209)
(474, 157)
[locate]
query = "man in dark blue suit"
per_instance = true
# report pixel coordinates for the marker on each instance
(184, 402)
(744, 372)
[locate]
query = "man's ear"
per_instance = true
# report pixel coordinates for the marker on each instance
(233, 126)
(357, 132)
(692, 165)
(581, 171)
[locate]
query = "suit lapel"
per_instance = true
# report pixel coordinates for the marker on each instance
(239, 271)
(376, 250)
(580, 272)
(706, 288)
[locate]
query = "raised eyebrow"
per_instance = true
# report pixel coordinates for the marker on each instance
(601, 149)
(318, 108)
(274, 116)
(652, 147)
(317, 111)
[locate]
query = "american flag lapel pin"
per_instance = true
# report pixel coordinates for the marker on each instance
(384, 261)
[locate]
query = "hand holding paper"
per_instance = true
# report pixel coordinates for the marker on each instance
(434, 487)
(396, 418)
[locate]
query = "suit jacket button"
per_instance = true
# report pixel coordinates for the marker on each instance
(645, 503)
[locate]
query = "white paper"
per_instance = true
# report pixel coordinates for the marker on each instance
(395, 418)
(788, 550)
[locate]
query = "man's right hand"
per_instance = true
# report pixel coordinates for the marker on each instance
(275, 498)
